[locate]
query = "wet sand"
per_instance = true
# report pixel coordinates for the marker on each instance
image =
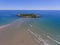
(16, 34)
(20, 33)
(16, 38)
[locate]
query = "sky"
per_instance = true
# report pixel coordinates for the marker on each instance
(29, 4)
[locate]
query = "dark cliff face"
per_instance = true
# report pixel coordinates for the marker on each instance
(28, 15)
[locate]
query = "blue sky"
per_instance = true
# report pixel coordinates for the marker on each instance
(29, 4)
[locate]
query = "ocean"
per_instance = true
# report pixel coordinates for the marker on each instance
(7, 16)
(48, 25)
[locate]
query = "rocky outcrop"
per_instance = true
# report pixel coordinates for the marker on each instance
(28, 15)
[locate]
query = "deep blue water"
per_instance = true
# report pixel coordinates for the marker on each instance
(7, 16)
(49, 23)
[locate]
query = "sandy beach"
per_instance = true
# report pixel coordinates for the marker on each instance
(16, 34)
(20, 33)
(17, 38)
(29, 31)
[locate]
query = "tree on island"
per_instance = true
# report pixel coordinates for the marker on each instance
(28, 15)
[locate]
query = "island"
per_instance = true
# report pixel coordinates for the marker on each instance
(28, 15)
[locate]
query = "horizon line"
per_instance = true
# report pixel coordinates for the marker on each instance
(13, 9)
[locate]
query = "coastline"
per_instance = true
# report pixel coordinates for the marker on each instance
(31, 37)
(37, 37)
(12, 23)
(15, 34)
(40, 40)
(4, 26)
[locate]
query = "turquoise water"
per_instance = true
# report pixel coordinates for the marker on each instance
(48, 24)
(48, 27)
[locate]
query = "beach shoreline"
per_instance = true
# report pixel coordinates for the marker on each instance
(30, 34)
(12, 23)
(4, 26)
(15, 34)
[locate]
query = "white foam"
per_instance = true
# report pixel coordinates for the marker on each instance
(4, 26)
(39, 39)
(53, 40)
(30, 25)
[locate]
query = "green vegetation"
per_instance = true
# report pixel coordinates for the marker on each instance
(28, 15)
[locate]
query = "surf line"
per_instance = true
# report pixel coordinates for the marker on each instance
(38, 37)
(53, 40)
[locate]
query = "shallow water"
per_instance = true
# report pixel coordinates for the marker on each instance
(48, 26)
(48, 29)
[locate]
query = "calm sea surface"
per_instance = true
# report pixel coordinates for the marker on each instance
(48, 24)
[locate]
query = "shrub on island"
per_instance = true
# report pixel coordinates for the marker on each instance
(28, 15)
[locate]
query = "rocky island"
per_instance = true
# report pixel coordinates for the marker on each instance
(28, 15)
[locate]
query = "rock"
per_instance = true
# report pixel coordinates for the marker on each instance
(28, 15)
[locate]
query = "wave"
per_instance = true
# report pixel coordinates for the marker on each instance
(14, 23)
(17, 22)
(53, 40)
(38, 37)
